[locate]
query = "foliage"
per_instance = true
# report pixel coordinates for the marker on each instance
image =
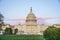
(58, 37)
(52, 33)
(8, 31)
(1, 20)
(15, 31)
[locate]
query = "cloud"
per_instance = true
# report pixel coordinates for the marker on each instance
(38, 18)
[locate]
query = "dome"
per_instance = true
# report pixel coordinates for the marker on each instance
(31, 18)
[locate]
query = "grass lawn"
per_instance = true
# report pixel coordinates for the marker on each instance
(21, 37)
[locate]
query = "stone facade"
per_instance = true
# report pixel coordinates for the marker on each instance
(31, 27)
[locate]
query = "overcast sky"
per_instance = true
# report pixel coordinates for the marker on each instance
(14, 9)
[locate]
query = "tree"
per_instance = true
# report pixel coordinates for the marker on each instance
(1, 21)
(51, 33)
(8, 31)
(58, 37)
(15, 31)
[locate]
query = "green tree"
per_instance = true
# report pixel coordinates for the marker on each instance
(58, 37)
(15, 31)
(1, 21)
(8, 31)
(51, 33)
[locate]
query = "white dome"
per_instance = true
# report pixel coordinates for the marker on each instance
(31, 18)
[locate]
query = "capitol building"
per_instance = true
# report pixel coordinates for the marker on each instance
(30, 27)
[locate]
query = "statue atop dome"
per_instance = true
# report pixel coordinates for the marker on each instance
(31, 9)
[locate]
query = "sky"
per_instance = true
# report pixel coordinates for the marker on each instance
(19, 9)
